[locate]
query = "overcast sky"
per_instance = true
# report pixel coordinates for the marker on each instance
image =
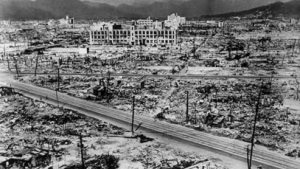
(118, 2)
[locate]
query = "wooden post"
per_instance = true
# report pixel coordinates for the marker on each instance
(107, 87)
(132, 130)
(187, 106)
(58, 77)
(8, 65)
(81, 149)
(254, 128)
(57, 98)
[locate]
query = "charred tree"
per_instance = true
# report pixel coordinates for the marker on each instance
(36, 64)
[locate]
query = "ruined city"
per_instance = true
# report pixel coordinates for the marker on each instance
(218, 90)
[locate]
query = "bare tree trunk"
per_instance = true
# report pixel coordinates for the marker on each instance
(293, 49)
(283, 59)
(25, 62)
(36, 64)
(16, 65)
(8, 65)
(298, 88)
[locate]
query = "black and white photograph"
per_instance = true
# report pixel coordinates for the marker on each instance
(149, 84)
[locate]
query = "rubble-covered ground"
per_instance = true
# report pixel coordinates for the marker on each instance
(148, 91)
(218, 106)
(210, 55)
(223, 107)
(36, 134)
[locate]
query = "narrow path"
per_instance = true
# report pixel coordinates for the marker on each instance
(168, 94)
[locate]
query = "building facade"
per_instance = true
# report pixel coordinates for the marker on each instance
(145, 22)
(66, 21)
(4, 22)
(174, 21)
(112, 33)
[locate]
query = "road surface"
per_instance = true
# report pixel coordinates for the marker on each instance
(187, 76)
(233, 148)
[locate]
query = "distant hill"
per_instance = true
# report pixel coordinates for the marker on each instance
(195, 8)
(54, 9)
(288, 9)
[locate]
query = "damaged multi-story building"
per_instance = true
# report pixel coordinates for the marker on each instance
(140, 32)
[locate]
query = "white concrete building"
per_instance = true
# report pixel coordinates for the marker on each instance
(66, 21)
(5, 22)
(145, 22)
(112, 33)
(174, 21)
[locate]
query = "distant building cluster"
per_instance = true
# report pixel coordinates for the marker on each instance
(174, 21)
(66, 21)
(145, 22)
(5, 22)
(63, 21)
(140, 32)
(208, 23)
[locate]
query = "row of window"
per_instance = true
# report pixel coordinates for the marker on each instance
(155, 32)
(115, 37)
(112, 41)
(152, 32)
(137, 42)
(150, 22)
(160, 41)
(155, 36)
(137, 37)
(114, 32)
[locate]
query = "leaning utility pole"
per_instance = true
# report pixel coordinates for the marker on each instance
(133, 99)
(257, 106)
(81, 150)
(187, 106)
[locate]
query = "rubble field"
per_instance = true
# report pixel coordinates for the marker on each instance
(217, 106)
(236, 56)
(117, 92)
(36, 134)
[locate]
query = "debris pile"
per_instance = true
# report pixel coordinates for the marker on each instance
(35, 134)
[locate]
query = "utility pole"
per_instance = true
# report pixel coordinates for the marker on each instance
(217, 96)
(133, 99)
(57, 98)
(7, 58)
(81, 150)
(3, 52)
(59, 63)
(187, 106)
(249, 156)
(8, 65)
(194, 48)
(293, 48)
(58, 77)
(107, 88)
